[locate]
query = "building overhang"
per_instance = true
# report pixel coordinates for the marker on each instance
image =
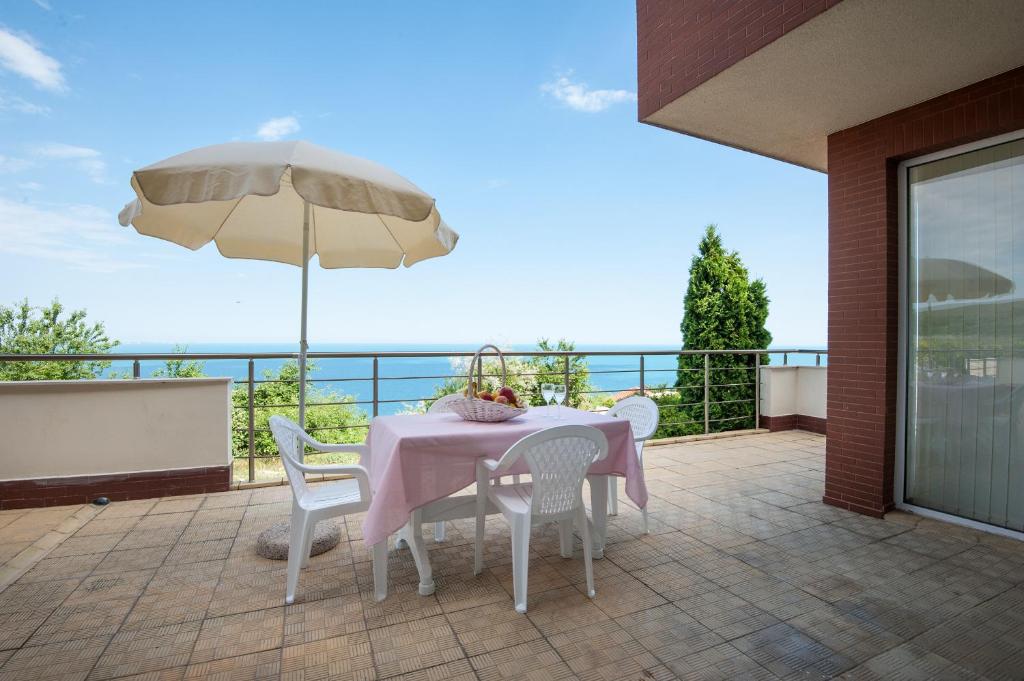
(853, 63)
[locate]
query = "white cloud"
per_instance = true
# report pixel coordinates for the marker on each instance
(80, 236)
(497, 183)
(276, 128)
(90, 161)
(65, 151)
(13, 103)
(19, 53)
(579, 97)
(29, 186)
(43, 4)
(11, 164)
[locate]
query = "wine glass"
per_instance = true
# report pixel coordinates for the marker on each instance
(559, 398)
(547, 391)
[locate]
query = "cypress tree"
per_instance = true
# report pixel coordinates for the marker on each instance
(723, 310)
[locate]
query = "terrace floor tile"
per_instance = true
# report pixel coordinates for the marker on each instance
(746, 574)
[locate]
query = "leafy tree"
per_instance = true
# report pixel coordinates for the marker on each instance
(50, 330)
(324, 409)
(552, 370)
(181, 368)
(724, 310)
(282, 388)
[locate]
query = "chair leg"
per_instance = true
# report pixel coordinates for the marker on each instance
(307, 546)
(482, 485)
(565, 538)
(643, 511)
(598, 513)
(402, 537)
(613, 495)
(588, 558)
(520, 559)
(419, 554)
(380, 570)
(296, 541)
(439, 531)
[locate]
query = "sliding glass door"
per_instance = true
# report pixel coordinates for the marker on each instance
(965, 335)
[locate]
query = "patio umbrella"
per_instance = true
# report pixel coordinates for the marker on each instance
(945, 279)
(286, 201)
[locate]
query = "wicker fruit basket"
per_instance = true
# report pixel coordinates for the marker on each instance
(473, 408)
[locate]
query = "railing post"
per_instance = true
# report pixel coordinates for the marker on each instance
(642, 390)
(757, 390)
(136, 369)
(567, 393)
(376, 386)
(707, 393)
(817, 360)
(252, 420)
(785, 359)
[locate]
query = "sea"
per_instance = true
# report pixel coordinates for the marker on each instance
(405, 381)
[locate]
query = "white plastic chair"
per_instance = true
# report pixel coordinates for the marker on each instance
(310, 505)
(442, 404)
(559, 459)
(642, 414)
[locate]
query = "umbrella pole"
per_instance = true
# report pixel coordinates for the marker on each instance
(302, 332)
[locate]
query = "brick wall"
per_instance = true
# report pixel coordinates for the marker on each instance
(863, 274)
(811, 424)
(682, 43)
(82, 489)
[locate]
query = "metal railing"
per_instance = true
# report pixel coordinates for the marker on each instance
(375, 402)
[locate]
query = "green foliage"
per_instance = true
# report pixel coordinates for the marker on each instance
(50, 330)
(724, 310)
(181, 368)
(282, 388)
(675, 414)
(526, 374)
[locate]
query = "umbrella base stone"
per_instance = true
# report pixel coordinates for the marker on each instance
(273, 542)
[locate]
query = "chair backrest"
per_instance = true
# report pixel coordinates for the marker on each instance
(641, 412)
(289, 436)
(559, 459)
(441, 404)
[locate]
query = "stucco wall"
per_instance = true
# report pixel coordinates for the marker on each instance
(87, 428)
(790, 390)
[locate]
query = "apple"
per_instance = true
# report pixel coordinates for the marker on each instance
(501, 399)
(509, 394)
(486, 396)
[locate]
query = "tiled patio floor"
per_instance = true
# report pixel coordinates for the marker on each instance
(745, 575)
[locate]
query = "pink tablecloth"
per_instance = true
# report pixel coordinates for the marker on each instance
(417, 459)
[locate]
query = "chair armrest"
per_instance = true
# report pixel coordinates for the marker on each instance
(360, 449)
(355, 470)
(361, 475)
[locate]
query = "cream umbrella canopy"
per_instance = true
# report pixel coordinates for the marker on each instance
(285, 202)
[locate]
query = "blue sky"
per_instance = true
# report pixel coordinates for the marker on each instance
(520, 118)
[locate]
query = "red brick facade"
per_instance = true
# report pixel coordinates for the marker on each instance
(811, 424)
(119, 487)
(682, 43)
(864, 268)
